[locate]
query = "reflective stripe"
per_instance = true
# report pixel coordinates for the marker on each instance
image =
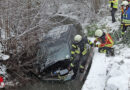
(72, 52)
(84, 52)
(72, 65)
(81, 66)
(122, 33)
(77, 51)
(74, 46)
(115, 5)
(108, 45)
(89, 42)
(103, 51)
(125, 24)
(126, 21)
(61, 77)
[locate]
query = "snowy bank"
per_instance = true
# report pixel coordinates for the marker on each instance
(97, 75)
(109, 73)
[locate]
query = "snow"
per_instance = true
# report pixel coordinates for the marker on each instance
(2, 69)
(109, 73)
(97, 73)
(4, 57)
(107, 21)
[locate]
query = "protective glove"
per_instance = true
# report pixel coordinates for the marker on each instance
(95, 41)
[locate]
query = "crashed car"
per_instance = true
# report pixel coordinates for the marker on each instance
(54, 53)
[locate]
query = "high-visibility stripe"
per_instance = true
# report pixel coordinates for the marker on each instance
(81, 66)
(89, 42)
(122, 33)
(84, 52)
(74, 46)
(72, 65)
(103, 51)
(125, 24)
(126, 21)
(61, 77)
(72, 52)
(77, 51)
(109, 45)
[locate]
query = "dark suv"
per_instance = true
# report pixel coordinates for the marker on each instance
(54, 53)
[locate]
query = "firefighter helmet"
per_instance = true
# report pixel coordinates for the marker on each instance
(98, 33)
(78, 38)
(124, 3)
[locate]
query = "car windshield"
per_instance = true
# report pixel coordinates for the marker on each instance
(56, 45)
(57, 52)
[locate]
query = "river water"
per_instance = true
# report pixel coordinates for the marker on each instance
(42, 85)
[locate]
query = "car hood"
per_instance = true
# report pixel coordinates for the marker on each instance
(57, 44)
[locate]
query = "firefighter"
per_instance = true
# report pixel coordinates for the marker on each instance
(124, 16)
(79, 54)
(106, 42)
(113, 6)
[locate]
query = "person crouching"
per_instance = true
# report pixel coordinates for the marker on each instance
(106, 42)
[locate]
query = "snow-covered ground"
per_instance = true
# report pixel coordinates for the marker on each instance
(109, 73)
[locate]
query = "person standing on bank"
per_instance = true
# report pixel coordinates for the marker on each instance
(79, 54)
(113, 5)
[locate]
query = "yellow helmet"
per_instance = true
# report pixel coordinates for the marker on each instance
(78, 38)
(98, 33)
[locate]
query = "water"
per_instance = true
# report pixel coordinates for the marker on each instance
(42, 85)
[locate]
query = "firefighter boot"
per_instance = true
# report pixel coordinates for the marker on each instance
(107, 53)
(81, 69)
(112, 52)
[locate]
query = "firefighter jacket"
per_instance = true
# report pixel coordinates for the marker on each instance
(126, 16)
(79, 49)
(105, 40)
(113, 3)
